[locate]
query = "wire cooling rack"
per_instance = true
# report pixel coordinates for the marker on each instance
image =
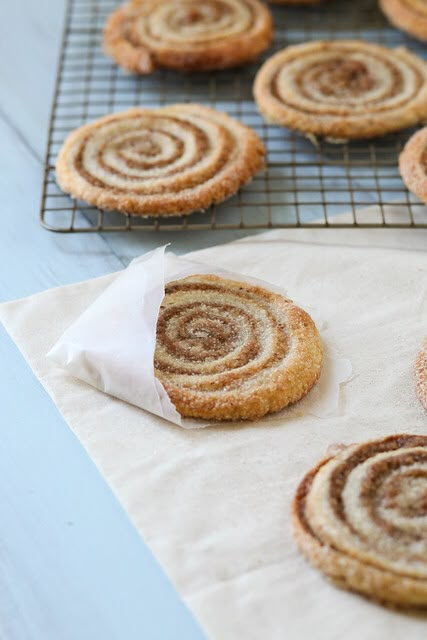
(303, 185)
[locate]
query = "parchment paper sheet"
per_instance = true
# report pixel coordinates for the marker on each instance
(111, 345)
(213, 504)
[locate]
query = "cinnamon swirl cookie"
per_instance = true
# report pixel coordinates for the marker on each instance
(187, 34)
(229, 350)
(343, 89)
(360, 516)
(408, 15)
(160, 162)
(413, 164)
(421, 375)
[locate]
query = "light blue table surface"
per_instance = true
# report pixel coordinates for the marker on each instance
(71, 564)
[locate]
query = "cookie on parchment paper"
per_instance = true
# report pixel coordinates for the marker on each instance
(229, 350)
(360, 517)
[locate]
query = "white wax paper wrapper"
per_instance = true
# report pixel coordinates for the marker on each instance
(111, 345)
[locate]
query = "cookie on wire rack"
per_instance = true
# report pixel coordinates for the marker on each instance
(420, 372)
(342, 89)
(228, 350)
(360, 517)
(413, 164)
(143, 35)
(408, 15)
(159, 162)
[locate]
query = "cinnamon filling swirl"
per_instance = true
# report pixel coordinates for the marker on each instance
(193, 22)
(139, 158)
(344, 84)
(228, 350)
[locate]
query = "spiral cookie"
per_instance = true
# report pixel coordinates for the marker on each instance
(360, 516)
(187, 34)
(343, 89)
(160, 162)
(408, 15)
(421, 375)
(228, 350)
(413, 164)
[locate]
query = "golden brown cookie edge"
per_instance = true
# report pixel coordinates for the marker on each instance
(420, 373)
(411, 169)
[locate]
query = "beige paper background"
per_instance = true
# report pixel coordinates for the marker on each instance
(213, 504)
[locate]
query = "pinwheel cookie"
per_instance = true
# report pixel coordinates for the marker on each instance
(421, 375)
(343, 89)
(360, 517)
(413, 164)
(187, 34)
(228, 350)
(408, 15)
(160, 162)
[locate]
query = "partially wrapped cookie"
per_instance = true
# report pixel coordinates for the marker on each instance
(228, 350)
(196, 344)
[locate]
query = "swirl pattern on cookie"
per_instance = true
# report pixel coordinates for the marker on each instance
(420, 372)
(342, 89)
(407, 15)
(413, 164)
(229, 350)
(360, 516)
(160, 162)
(187, 34)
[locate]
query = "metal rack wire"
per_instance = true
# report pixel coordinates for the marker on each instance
(303, 185)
